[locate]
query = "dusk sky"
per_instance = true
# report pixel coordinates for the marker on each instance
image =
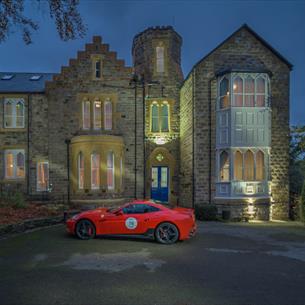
(202, 24)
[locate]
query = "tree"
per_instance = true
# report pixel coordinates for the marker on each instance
(67, 19)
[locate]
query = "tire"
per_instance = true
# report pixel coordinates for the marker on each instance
(166, 233)
(85, 229)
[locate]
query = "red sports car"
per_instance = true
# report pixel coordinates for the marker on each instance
(136, 218)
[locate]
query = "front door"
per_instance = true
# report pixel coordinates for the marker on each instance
(159, 183)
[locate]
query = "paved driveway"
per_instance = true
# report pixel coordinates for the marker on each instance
(223, 264)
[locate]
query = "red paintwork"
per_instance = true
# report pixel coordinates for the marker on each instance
(113, 222)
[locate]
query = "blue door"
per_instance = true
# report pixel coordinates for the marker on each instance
(159, 183)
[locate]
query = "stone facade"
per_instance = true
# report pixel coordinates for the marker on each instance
(54, 124)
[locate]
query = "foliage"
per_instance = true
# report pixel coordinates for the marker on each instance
(206, 212)
(67, 19)
(13, 199)
(303, 203)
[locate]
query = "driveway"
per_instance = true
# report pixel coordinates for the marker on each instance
(223, 264)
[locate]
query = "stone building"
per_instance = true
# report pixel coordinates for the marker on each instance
(102, 132)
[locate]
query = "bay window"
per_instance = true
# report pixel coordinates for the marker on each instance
(110, 171)
(95, 171)
(97, 115)
(81, 170)
(224, 166)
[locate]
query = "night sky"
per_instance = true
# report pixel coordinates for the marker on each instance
(203, 25)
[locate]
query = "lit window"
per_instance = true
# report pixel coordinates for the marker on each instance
(110, 171)
(154, 118)
(224, 94)
(42, 176)
(95, 171)
(14, 164)
(260, 166)
(98, 69)
(160, 59)
(164, 117)
(81, 171)
(249, 92)
(97, 115)
(108, 115)
(238, 166)
(86, 115)
(260, 92)
(249, 166)
(224, 166)
(13, 113)
(238, 88)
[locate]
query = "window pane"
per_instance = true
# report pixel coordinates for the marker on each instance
(108, 115)
(97, 112)
(160, 59)
(249, 166)
(20, 165)
(154, 177)
(8, 115)
(81, 171)
(98, 69)
(9, 165)
(19, 114)
(121, 172)
(164, 177)
(95, 171)
(260, 92)
(224, 166)
(224, 94)
(249, 92)
(154, 118)
(238, 92)
(164, 120)
(86, 115)
(110, 171)
(238, 166)
(260, 166)
(42, 176)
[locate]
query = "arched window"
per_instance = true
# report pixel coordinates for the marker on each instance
(249, 166)
(154, 118)
(97, 115)
(160, 59)
(260, 166)
(249, 92)
(13, 113)
(260, 92)
(86, 115)
(14, 164)
(81, 170)
(110, 171)
(224, 166)
(95, 171)
(238, 166)
(164, 117)
(108, 115)
(238, 91)
(224, 94)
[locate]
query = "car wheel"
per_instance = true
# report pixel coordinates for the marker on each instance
(166, 233)
(85, 229)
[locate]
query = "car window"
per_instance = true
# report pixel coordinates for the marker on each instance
(139, 209)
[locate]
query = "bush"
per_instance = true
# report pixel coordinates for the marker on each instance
(13, 199)
(303, 203)
(206, 212)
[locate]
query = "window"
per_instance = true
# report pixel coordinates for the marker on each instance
(121, 172)
(43, 176)
(260, 92)
(14, 164)
(98, 69)
(97, 115)
(139, 209)
(249, 166)
(224, 94)
(108, 115)
(155, 118)
(249, 92)
(238, 166)
(164, 117)
(110, 171)
(95, 171)
(160, 59)
(260, 166)
(238, 91)
(86, 115)
(13, 113)
(224, 166)
(81, 171)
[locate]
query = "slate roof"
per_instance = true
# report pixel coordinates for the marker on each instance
(21, 82)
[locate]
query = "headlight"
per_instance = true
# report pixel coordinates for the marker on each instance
(75, 217)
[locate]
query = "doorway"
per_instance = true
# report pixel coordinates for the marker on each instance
(159, 183)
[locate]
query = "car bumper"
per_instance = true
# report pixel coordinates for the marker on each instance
(70, 226)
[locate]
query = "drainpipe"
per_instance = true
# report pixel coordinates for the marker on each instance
(68, 141)
(28, 147)
(144, 148)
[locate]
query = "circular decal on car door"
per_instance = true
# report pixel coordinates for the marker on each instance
(131, 223)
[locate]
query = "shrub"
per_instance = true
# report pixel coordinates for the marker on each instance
(14, 199)
(303, 203)
(206, 212)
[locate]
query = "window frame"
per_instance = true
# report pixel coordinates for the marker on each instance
(38, 189)
(14, 118)
(95, 116)
(159, 117)
(111, 169)
(80, 185)
(97, 187)
(224, 167)
(15, 153)
(108, 115)
(84, 104)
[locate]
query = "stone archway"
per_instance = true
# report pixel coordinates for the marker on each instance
(160, 157)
